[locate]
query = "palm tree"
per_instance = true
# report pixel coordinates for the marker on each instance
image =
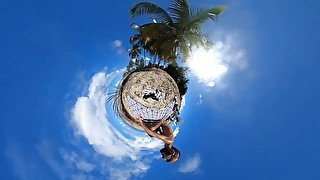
(178, 29)
(135, 52)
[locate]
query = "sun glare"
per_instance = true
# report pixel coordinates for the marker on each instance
(208, 66)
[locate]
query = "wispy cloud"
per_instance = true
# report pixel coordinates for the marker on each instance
(200, 100)
(191, 164)
(90, 120)
(85, 166)
(124, 156)
(118, 46)
(41, 163)
(46, 150)
(21, 165)
(117, 43)
(111, 154)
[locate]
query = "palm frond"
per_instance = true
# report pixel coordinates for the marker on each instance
(115, 99)
(180, 11)
(185, 49)
(158, 37)
(166, 48)
(155, 30)
(135, 38)
(135, 51)
(217, 10)
(197, 38)
(199, 16)
(144, 8)
(111, 97)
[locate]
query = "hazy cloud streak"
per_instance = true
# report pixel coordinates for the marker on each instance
(191, 164)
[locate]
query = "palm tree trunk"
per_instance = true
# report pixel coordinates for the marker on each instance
(154, 61)
(144, 54)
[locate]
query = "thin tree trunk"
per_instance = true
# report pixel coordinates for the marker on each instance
(144, 56)
(154, 61)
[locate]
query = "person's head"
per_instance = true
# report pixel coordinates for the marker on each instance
(172, 156)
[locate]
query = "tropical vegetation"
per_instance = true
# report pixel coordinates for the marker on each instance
(169, 37)
(172, 33)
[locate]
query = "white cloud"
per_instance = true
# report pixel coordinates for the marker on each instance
(84, 166)
(191, 164)
(46, 150)
(125, 155)
(127, 171)
(23, 167)
(91, 120)
(200, 100)
(73, 165)
(30, 165)
(118, 45)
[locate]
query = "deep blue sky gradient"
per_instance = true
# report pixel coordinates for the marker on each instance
(269, 130)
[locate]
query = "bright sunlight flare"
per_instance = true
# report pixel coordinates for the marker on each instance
(207, 65)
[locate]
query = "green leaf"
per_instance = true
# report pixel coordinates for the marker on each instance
(185, 50)
(199, 16)
(151, 9)
(180, 12)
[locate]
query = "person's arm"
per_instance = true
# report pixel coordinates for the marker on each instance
(165, 139)
(156, 126)
(152, 133)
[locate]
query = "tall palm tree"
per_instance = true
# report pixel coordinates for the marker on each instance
(178, 29)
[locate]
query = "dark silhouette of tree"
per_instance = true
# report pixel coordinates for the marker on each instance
(179, 75)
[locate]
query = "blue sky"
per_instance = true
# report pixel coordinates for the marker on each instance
(261, 120)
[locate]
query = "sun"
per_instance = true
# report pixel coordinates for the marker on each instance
(207, 65)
